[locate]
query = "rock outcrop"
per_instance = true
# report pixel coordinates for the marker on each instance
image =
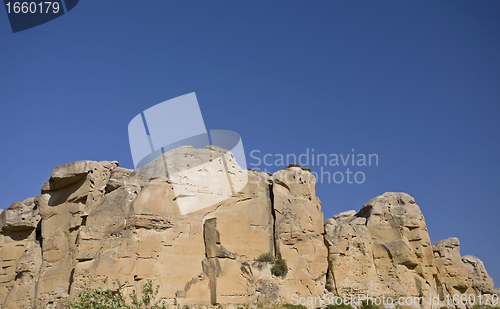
(198, 225)
(20, 259)
(97, 220)
(384, 249)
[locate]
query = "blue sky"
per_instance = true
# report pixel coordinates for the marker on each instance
(417, 83)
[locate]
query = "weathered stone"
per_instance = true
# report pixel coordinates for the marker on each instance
(20, 254)
(482, 283)
(298, 232)
(351, 268)
(95, 220)
(19, 216)
(384, 249)
(120, 177)
(453, 277)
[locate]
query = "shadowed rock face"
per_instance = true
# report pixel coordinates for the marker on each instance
(96, 220)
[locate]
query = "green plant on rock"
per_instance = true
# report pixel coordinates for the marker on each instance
(483, 307)
(279, 267)
(368, 304)
(265, 257)
(292, 306)
(341, 306)
(114, 299)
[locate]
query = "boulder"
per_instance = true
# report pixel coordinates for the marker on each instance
(192, 221)
(19, 217)
(482, 283)
(453, 277)
(20, 254)
(383, 249)
(211, 233)
(299, 232)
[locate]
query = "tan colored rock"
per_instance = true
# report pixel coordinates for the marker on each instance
(384, 249)
(482, 283)
(19, 217)
(453, 276)
(299, 233)
(102, 221)
(72, 191)
(20, 254)
(351, 265)
(496, 291)
(199, 236)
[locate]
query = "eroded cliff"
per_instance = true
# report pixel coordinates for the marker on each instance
(96, 220)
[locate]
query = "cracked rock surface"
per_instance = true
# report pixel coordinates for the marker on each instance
(385, 249)
(195, 223)
(96, 220)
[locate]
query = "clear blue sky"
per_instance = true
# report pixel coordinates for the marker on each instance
(417, 83)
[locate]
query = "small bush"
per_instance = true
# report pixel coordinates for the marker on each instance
(107, 299)
(279, 267)
(368, 305)
(483, 307)
(341, 306)
(265, 257)
(290, 306)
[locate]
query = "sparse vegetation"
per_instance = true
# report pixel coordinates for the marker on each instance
(265, 257)
(368, 305)
(114, 299)
(483, 307)
(291, 306)
(341, 306)
(279, 267)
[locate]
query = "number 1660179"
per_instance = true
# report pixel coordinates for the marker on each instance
(32, 7)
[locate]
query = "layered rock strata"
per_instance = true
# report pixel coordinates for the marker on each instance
(96, 220)
(384, 249)
(197, 224)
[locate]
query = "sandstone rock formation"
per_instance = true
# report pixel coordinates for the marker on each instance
(96, 220)
(385, 249)
(21, 253)
(481, 282)
(195, 223)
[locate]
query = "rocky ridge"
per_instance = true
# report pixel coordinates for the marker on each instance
(96, 220)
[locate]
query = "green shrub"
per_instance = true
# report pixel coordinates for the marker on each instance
(368, 305)
(341, 306)
(290, 306)
(265, 257)
(110, 299)
(279, 267)
(483, 307)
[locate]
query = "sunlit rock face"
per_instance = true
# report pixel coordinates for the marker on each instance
(211, 233)
(192, 221)
(384, 249)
